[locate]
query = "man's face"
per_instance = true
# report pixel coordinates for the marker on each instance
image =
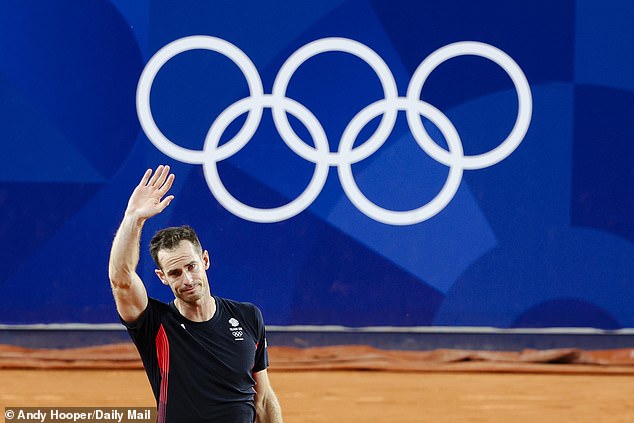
(184, 269)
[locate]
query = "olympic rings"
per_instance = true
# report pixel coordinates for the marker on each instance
(523, 95)
(278, 213)
(347, 153)
(347, 46)
(163, 56)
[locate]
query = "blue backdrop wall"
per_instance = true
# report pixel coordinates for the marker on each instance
(449, 163)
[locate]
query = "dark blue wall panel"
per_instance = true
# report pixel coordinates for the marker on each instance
(540, 238)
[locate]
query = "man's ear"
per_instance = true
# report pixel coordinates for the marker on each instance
(206, 259)
(161, 276)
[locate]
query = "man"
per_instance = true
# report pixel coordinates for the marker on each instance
(204, 356)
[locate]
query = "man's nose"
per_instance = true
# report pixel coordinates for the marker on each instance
(189, 278)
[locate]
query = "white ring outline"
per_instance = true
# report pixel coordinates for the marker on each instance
(525, 103)
(431, 208)
(168, 52)
(245, 211)
(345, 45)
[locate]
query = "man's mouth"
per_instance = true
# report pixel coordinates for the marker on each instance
(188, 289)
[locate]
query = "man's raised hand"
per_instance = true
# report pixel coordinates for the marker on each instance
(147, 198)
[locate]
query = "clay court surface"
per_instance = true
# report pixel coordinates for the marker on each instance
(364, 396)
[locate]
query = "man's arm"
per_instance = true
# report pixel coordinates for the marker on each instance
(267, 407)
(146, 201)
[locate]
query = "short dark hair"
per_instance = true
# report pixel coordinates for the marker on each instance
(170, 238)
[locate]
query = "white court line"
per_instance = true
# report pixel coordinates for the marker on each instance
(345, 329)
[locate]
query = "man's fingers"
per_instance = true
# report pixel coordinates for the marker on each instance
(146, 177)
(162, 177)
(165, 202)
(167, 185)
(161, 180)
(156, 176)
